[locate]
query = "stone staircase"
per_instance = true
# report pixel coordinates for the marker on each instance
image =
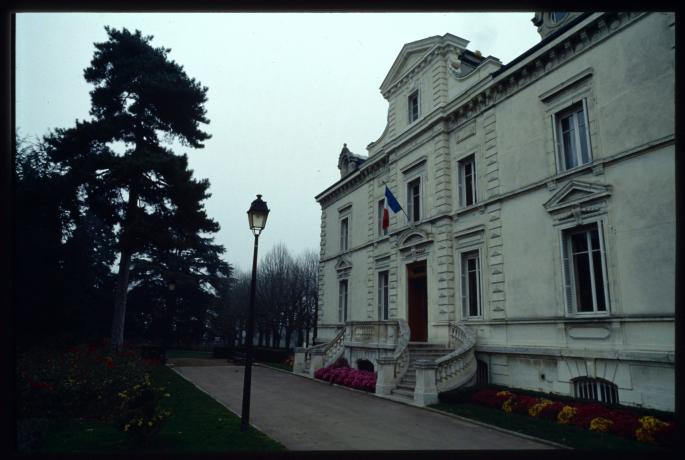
(417, 350)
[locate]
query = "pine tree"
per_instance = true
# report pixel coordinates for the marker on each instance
(141, 102)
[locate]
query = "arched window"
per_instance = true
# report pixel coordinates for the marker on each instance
(595, 390)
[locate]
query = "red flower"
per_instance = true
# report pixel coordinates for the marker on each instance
(41, 385)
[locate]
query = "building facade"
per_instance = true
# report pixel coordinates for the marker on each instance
(538, 223)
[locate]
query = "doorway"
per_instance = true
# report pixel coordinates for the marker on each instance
(417, 299)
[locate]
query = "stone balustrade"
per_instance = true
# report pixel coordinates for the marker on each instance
(391, 367)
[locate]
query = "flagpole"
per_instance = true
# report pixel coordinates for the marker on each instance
(405, 212)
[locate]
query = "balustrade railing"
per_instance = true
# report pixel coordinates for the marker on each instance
(458, 366)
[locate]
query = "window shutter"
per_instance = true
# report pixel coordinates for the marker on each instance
(568, 279)
(600, 230)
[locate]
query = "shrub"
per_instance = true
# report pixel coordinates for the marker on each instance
(346, 376)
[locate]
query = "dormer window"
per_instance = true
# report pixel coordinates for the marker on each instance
(413, 105)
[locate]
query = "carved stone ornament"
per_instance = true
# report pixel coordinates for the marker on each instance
(577, 200)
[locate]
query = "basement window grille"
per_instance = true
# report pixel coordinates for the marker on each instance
(596, 390)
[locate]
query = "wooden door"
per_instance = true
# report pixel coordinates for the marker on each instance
(417, 299)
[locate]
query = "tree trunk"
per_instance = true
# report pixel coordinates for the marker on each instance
(288, 334)
(120, 293)
(121, 290)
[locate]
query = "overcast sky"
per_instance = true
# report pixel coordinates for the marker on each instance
(285, 92)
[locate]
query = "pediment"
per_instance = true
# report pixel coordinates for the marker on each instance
(413, 237)
(343, 264)
(576, 193)
(415, 52)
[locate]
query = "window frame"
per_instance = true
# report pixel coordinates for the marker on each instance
(383, 294)
(411, 209)
(343, 300)
(344, 235)
(464, 256)
(413, 101)
(571, 111)
(569, 282)
(461, 180)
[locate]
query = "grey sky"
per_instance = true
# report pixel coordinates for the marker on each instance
(285, 92)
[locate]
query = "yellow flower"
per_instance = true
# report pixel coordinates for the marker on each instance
(566, 414)
(650, 425)
(503, 393)
(535, 410)
(127, 427)
(507, 406)
(600, 424)
(136, 387)
(644, 435)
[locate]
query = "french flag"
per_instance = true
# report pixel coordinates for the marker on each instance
(391, 203)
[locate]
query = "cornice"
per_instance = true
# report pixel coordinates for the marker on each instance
(559, 51)
(352, 181)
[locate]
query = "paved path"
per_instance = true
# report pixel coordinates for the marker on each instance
(304, 414)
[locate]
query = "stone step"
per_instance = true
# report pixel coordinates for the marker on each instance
(411, 380)
(405, 393)
(406, 386)
(425, 344)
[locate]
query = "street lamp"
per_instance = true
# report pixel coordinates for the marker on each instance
(256, 215)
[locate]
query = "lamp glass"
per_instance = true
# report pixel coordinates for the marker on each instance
(257, 220)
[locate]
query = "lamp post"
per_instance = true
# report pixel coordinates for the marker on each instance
(256, 215)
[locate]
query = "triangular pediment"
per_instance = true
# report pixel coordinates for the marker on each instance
(575, 193)
(343, 264)
(413, 53)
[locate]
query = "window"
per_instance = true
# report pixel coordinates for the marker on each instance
(342, 301)
(344, 224)
(467, 181)
(573, 142)
(595, 390)
(557, 16)
(383, 295)
(414, 200)
(584, 270)
(413, 104)
(470, 284)
(381, 206)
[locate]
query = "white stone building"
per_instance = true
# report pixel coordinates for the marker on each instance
(538, 246)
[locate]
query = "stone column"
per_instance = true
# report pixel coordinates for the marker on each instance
(316, 362)
(385, 375)
(298, 363)
(426, 390)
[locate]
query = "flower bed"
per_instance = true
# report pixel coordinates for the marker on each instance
(342, 374)
(88, 382)
(590, 416)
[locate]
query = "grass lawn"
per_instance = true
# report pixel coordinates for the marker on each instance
(198, 424)
(568, 435)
